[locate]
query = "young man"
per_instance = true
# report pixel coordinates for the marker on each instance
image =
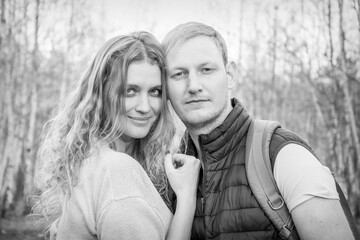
(199, 80)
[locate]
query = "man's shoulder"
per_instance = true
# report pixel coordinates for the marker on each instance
(282, 137)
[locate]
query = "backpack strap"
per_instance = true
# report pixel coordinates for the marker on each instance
(346, 208)
(261, 178)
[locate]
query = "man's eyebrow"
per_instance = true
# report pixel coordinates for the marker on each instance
(176, 68)
(204, 64)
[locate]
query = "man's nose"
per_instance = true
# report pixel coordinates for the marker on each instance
(194, 84)
(143, 104)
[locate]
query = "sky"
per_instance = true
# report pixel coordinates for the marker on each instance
(241, 22)
(115, 17)
(160, 16)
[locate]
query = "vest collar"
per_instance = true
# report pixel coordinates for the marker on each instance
(219, 142)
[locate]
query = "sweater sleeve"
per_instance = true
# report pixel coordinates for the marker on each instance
(130, 218)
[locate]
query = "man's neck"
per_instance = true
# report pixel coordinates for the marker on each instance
(206, 129)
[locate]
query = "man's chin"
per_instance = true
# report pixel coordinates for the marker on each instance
(203, 123)
(198, 122)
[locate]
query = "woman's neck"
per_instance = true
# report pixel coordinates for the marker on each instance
(121, 144)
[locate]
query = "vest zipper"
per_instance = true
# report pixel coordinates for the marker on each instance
(202, 204)
(203, 199)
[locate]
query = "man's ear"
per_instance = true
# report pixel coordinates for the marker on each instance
(231, 74)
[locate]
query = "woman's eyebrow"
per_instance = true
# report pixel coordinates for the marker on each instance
(132, 86)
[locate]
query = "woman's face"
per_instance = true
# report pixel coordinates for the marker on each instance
(142, 98)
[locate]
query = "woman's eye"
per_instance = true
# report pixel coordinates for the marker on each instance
(130, 92)
(155, 92)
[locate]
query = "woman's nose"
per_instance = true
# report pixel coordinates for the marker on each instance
(143, 104)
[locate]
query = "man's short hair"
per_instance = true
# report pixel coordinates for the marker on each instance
(186, 31)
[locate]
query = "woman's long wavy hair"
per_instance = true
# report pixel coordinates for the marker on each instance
(95, 113)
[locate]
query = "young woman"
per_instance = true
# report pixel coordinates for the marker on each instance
(103, 173)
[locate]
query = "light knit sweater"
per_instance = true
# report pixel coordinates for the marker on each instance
(114, 199)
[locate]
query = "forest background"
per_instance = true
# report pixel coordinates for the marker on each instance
(298, 63)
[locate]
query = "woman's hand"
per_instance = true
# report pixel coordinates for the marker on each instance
(183, 174)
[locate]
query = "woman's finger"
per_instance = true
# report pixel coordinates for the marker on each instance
(168, 162)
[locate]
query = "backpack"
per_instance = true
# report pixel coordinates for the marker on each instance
(262, 182)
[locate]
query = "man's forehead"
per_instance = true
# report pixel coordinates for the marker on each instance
(200, 49)
(193, 42)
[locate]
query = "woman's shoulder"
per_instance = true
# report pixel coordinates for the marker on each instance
(107, 165)
(116, 173)
(104, 157)
(122, 171)
(111, 159)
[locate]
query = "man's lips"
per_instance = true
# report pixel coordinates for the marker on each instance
(196, 100)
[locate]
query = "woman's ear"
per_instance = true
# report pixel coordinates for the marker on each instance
(231, 73)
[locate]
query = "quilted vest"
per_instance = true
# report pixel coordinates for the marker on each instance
(225, 206)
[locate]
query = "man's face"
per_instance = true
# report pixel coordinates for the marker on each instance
(198, 83)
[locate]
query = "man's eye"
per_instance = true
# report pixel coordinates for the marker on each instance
(207, 70)
(179, 75)
(155, 92)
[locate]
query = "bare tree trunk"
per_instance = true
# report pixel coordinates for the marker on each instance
(66, 71)
(273, 46)
(29, 153)
(21, 80)
(357, 10)
(11, 157)
(337, 145)
(241, 32)
(251, 77)
(336, 149)
(350, 116)
(29, 82)
(3, 33)
(273, 102)
(2, 24)
(11, 182)
(345, 86)
(330, 35)
(10, 134)
(9, 112)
